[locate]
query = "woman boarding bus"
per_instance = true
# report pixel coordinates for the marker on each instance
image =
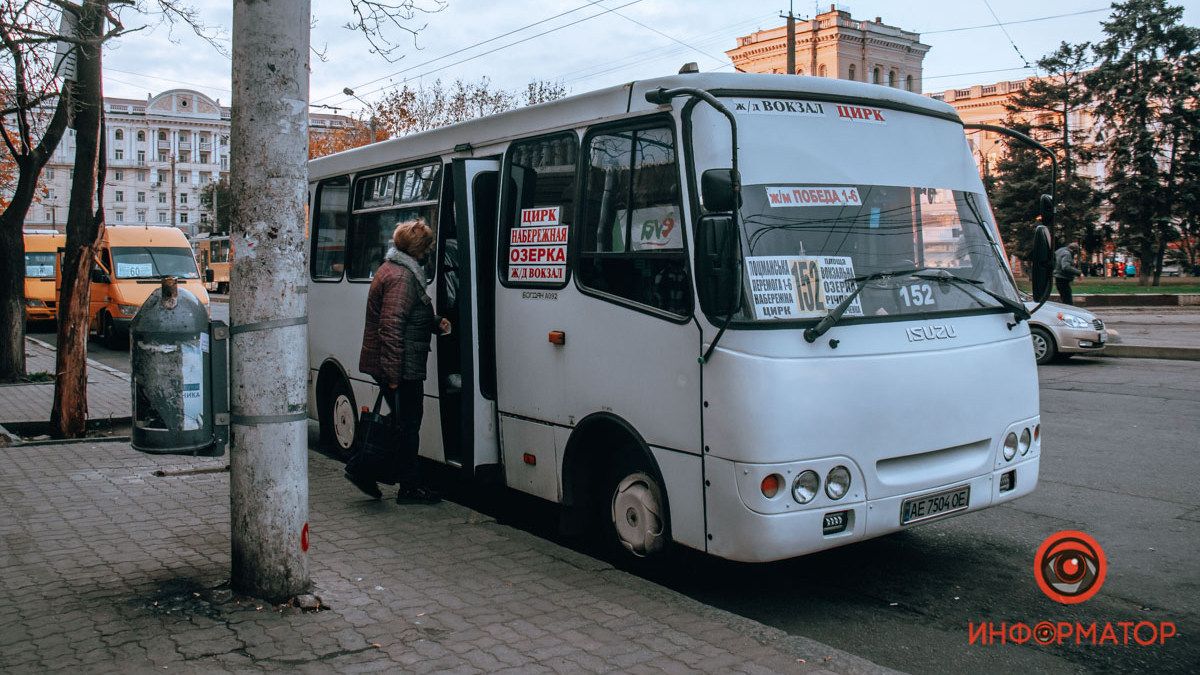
(809, 342)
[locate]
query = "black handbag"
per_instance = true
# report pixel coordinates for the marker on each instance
(376, 446)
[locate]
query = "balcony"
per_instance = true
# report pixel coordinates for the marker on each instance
(164, 145)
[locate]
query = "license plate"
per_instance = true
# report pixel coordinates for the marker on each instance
(1103, 337)
(916, 509)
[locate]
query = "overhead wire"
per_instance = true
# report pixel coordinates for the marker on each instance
(1000, 24)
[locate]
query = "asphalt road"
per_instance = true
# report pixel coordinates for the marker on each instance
(1119, 462)
(113, 358)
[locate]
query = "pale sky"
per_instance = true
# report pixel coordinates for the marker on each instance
(636, 40)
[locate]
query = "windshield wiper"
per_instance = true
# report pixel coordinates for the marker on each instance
(1020, 311)
(813, 332)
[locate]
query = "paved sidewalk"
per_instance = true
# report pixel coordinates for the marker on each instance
(1153, 332)
(108, 390)
(106, 567)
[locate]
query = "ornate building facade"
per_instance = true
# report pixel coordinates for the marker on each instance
(161, 153)
(834, 44)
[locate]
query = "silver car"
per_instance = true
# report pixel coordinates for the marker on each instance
(1058, 331)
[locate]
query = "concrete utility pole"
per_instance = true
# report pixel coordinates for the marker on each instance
(268, 300)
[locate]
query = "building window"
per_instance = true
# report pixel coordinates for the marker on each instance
(118, 175)
(141, 216)
(631, 236)
(876, 75)
(204, 158)
(539, 210)
(162, 198)
(162, 217)
(49, 215)
(908, 83)
(50, 174)
(141, 176)
(183, 218)
(183, 178)
(821, 71)
(892, 78)
(853, 75)
(224, 163)
(141, 197)
(141, 136)
(120, 195)
(120, 216)
(141, 156)
(162, 135)
(162, 156)
(118, 154)
(182, 197)
(119, 135)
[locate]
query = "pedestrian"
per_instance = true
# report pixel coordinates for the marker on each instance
(1065, 271)
(1130, 269)
(400, 324)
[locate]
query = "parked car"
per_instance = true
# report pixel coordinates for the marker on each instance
(1059, 331)
(1172, 270)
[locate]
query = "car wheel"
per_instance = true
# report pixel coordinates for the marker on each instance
(634, 516)
(1044, 349)
(223, 287)
(338, 419)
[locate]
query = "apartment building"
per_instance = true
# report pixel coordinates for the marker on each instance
(161, 153)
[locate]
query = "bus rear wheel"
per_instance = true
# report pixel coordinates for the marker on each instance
(338, 419)
(636, 515)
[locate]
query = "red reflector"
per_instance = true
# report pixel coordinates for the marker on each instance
(530, 459)
(558, 337)
(770, 485)
(366, 409)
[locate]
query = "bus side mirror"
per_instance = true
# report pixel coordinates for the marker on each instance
(717, 264)
(716, 190)
(209, 276)
(1041, 263)
(100, 276)
(1046, 210)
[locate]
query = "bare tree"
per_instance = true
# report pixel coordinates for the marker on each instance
(409, 110)
(33, 117)
(376, 19)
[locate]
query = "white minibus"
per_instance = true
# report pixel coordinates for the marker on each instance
(754, 315)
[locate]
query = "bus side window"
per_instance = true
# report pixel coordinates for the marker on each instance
(539, 210)
(383, 201)
(328, 231)
(630, 222)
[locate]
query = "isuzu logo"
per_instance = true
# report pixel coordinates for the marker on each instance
(937, 331)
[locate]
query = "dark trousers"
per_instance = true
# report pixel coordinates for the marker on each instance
(1064, 290)
(407, 404)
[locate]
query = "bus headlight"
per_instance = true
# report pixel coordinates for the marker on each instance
(1010, 446)
(837, 483)
(127, 310)
(34, 302)
(1023, 442)
(804, 488)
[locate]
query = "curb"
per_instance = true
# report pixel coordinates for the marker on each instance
(1152, 352)
(91, 363)
(1138, 299)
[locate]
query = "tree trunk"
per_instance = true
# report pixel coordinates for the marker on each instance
(268, 482)
(12, 282)
(68, 416)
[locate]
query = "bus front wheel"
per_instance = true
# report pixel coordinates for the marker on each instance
(637, 516)
(109, 335)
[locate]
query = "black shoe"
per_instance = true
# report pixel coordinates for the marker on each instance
(417, 495)
(368, 487)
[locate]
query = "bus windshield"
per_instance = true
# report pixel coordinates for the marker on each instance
(39, 265)
(806, 245)
(835, 192)
(150, 262)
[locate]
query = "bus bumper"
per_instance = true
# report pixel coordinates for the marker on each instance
(736, 532)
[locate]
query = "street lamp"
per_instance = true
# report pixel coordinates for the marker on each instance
(350, 92)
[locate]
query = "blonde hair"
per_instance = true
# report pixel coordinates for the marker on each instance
(413, 237)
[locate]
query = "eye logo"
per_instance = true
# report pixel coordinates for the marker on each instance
(1069, 567)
